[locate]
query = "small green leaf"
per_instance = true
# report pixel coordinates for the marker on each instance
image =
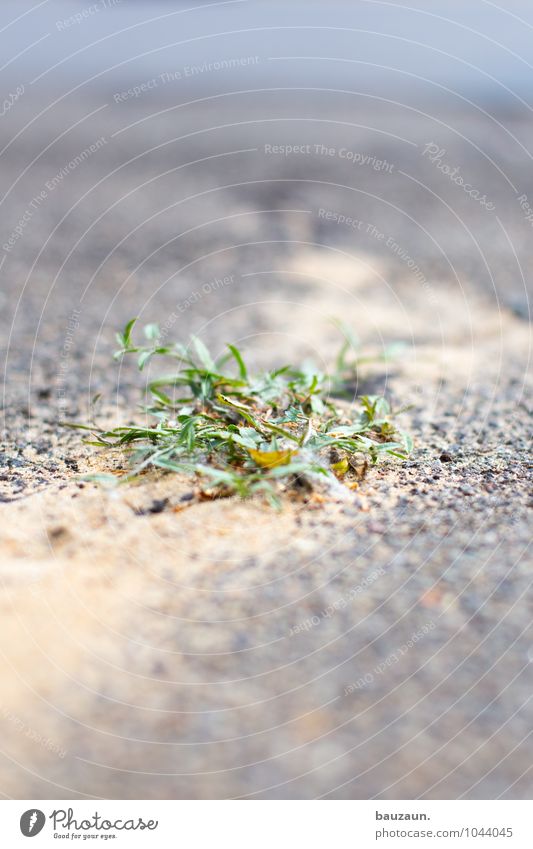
(203, 354)
(243, 373)
(317, 405)
(152, 331)
(144, 357)
(407, 441)
(156, 392)
(109, 481)
(126, 335)
(231, 402)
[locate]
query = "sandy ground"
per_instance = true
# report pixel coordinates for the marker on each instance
(375, 647)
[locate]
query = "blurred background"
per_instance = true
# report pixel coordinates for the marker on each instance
(476, 47)
(181, 100)
(188, 95)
